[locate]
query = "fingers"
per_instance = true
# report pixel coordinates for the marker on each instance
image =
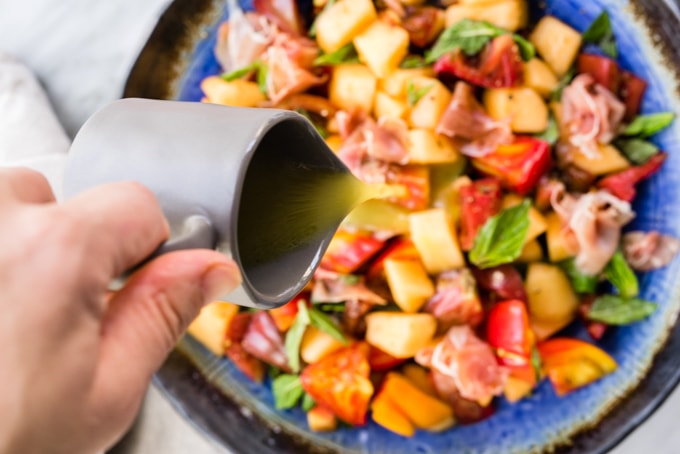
(148, 315)
(123, 221)
(24, 185)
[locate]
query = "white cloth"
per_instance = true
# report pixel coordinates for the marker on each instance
(30, 134)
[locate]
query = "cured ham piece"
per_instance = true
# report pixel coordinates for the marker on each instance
(283, 13)
(646, 251)
(243, 39)
(466, 122)
(343, 288)
(456, 301)
(264, 341)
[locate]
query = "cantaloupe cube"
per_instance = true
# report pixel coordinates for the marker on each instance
(427, 111)
(532, 252)
(607, 160)
(382, 46)
(516, 389)
(420, 378)
(317, 344)
(557, 43)
(552, 300)
(238, 93)
(399, 334)
(387, 106)
(525, 108)
(352, 86)
(409, 283)
(436, 240)
(340, 23)
(334, 142)
(388, 415)
(558, 249)
(537, 223)
(321, 419)
(507, 14)
(210, 327)
(539, 76)
(395, 83)
(426, 147)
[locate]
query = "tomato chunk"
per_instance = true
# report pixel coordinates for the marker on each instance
(604, 70)
(504, 282)
(349, 250)
(479, 201)
(284, 316)
(632, 92)
(622, 184)
(251, 367)
(379, 360)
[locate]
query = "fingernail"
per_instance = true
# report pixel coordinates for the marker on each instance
(219, 280)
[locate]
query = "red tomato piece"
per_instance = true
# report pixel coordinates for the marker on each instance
(421, 24)
(604, 70)
(348, 251)
(380, 361)
(416, 180)
(504, 282)
(509, 333)
(595, 329)
(251, 367)
(400, 248)
(479, 201)
(340, 383)
(498, 65)
(284, 316)
(520, 165)
(622, 184)
(632, 92)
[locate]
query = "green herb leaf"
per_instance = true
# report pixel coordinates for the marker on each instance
(262, 71)
(326, 7)
(324, 323)
(552, 133)
(294, 336)
(413, 95)
(600, 32)
(337, 308)
(556, 95)
(501, 238)
(615, 310)
(307, 402)
(638, 151)
(647, 125)
(346, 54)
(620, 274)
(582, 283)
(239, 73)
(526, 49)
(536, 362)
(412, 61)
(287, 390)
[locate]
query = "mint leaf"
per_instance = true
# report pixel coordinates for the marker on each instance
(412, 61)
(526, 49)
(536, 363)
(324, 323)
(556, 95)
(326, 7)
(638, 151)
(600, 33)
(620, 274)
(294, 336)
(647, 125)
(581, 283)
(287, 390)
(615, 310)
(262, 71)
(346, 54)
(552, 133)
(307, 402)
(241, 72)
(332, 307)
(501, 238)
(413, 95)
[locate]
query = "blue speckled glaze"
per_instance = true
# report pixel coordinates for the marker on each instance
(542, 419)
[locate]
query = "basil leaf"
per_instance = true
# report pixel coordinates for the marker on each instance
(536, 363)
(526, 49)
(600, 32)
(307, 402)
(324, 323)
(239, 73)
(582, 283)
(620, 274)
(413, 95)
(648, 125)
(337, 308)
(287, 390)
(614, 310)
(262, 71)
(412, 61)
(552, 133)
(346, 54)
(501, 238)
(294, 336)
(638, 151)
(556, 95)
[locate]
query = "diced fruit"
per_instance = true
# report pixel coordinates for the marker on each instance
(524, 107)
(424, 24)
(426, 147)
(557, 43)
(572, 363)
(340, 23)
(238, 93)
(317, 344)
(608, 160)
(516, 389)
(537, 222)
(511, 15)
(509, 333)
(632, 92)
(352, 86)
(382, 46)
(433, 234)
(347, 251)
(379, 215)
(395, 84)
(251, 367)
(480, 201)
(552, 301)
(321, 419)
(558, 249)
(449, 198)
(409, 283)
(381, 361)
(340, 383)
(504, 282)
(420, 378)
(211, 325)
(519, 165)
(387, 106)
(334, 142)
(388, 415)
(427, 111)
(539, 76)
(423, 410)
(532, 252)
(604, 70)
(416, 180)
(400, 334)
(284, 316)
(622, 184)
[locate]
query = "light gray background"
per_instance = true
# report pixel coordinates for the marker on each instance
(82, 51)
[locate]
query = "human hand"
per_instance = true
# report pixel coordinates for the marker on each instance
(76, 359)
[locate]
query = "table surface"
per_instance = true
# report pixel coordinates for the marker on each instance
(82, 51)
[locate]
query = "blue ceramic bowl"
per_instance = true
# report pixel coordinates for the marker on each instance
(218, 399)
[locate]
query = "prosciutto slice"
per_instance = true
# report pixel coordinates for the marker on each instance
(456, 301)
(646, 251)
(264, 341)
(243, 39)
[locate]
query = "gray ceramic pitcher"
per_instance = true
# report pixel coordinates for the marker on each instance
(195, 158)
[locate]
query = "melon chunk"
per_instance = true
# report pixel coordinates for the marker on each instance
(399, 334)
(339, 24)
